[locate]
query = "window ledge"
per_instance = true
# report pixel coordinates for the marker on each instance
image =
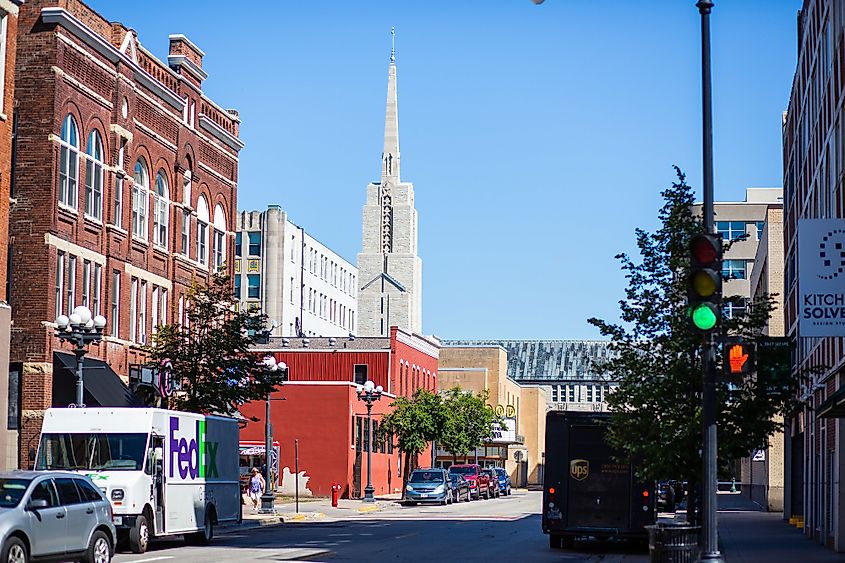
(3, 117)
(138, 240)
(115, 228)
(68, 209)
(93, 220)
(161, 250)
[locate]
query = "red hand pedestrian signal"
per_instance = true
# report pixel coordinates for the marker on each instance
(737, 358)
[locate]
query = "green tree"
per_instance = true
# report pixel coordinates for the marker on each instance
(211, 355)
(657, 369)
(469, 421)
(414, 423)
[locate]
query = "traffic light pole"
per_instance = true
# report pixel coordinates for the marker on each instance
(710, 538)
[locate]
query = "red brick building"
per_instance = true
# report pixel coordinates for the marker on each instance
(319, 407)
(125, 191)
(8, 38)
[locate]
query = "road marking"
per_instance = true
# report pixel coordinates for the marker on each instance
(162, 558)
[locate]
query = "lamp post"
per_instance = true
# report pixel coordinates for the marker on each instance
(80, 329)
(268, 499)
(369, 393)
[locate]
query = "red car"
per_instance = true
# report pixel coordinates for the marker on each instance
(479, 482)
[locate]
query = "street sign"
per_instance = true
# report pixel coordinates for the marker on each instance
(821, 277)
(774, 363)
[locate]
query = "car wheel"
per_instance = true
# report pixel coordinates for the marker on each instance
(14, 551)
(139, 535)
(205, 536)
(99, 550)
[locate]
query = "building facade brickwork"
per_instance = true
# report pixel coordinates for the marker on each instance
(125, 189)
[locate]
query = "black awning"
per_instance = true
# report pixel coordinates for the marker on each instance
(103, 387)
(834, 407)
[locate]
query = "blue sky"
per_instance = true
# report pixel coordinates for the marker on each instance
(537, 137)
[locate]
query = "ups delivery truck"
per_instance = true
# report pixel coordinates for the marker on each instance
(586, 491)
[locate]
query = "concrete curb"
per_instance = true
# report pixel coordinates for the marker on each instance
(370, 508)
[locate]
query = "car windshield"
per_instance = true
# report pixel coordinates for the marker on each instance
(462, 470)
(96, 452)
(426, 477)
(501, 472)
(11, 491)
(455, 477)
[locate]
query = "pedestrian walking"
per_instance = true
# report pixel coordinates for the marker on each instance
(256, 487)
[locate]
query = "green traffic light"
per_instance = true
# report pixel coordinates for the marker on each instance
(704, 316)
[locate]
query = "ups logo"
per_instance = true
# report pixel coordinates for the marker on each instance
(579, 469)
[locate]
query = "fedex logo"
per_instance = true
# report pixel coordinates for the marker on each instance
(194, 457)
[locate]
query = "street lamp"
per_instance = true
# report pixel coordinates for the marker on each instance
(80, 329)
(369, 393)
(268, 499)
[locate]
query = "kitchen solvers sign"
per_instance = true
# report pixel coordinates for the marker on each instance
(821, 277)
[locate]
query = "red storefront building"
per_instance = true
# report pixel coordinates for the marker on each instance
(124, 193)
(318, 406)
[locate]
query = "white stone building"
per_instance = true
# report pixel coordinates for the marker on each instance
(390, 290)
(305, 288)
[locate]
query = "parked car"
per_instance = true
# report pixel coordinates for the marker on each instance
(495, 491)
(429, 485)
(460, 487)
(54, 515)
(504, 480)
(665, 497)
(479, 482)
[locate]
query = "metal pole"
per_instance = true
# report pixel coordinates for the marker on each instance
(269, 497)
(79, 350)
(296, 468)
(369, 490)
(710, 539)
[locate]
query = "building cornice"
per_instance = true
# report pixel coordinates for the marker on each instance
(60, 16)
(417, 343)
(181, 37)
(220, 134)
(184, 61)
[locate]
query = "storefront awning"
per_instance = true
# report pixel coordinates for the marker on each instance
(834, 407)
(103, 387)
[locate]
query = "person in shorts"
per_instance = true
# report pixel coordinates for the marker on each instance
(256, 487)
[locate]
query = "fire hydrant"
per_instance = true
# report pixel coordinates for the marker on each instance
(335, 494)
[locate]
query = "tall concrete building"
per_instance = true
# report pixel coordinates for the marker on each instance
(742, 223)
(303, 287)
(762, 473)
(814, 162)
(390, 272)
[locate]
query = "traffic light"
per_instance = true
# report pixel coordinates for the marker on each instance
(737, 358)
(704, 295)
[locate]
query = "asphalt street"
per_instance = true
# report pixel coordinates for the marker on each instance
(495, 530)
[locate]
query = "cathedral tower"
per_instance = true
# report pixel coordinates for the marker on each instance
(389, 270)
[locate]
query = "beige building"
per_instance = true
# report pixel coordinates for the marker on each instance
(763, 473)
(519, 448)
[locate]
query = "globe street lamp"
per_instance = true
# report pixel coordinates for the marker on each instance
(80, 329)
(268, 499)
(369, 393)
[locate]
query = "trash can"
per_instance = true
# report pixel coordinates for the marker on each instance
(673, 544)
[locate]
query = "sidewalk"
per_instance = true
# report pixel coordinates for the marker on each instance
(748, 534)
(319, 509)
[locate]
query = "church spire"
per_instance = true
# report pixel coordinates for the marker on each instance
(390, 155)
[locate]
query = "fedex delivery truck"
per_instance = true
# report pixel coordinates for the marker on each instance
(165, 472)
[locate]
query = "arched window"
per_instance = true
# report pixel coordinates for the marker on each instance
(140, 199)
(219, 236)
(94, 177)
(185, 247)
(202, 231)
(161, 210)
(69, 162)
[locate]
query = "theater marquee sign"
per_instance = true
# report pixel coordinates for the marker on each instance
(821, 277)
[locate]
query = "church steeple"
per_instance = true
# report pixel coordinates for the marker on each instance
(390, 155)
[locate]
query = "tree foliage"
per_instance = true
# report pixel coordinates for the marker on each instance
(211, 354)
(469, 421)
(657, 369)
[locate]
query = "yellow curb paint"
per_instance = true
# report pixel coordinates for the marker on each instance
(371, 508)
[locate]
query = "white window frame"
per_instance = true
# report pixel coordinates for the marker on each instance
(186, 233)
(118, 189)
(94, 161)
(86, 283)
(133, 310)
(60, 282)
(142, 312)
(97, 291)
(154, 310)
(115, 304)
(71, 283)
(69, 163)
(161, 210)
(4, 26)
(140, 199)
